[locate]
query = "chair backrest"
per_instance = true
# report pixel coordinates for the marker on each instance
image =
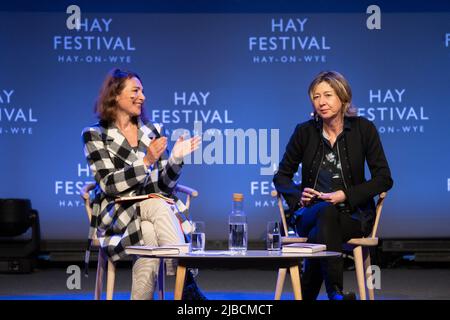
(86, 198)
(274, 193)
(378, 209)
(190, 193)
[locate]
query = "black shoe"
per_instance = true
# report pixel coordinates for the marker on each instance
(191, 291)
(337, 294)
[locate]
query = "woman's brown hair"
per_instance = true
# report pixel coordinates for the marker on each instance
(106, 104)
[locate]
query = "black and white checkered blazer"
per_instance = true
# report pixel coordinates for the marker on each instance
(120, 171)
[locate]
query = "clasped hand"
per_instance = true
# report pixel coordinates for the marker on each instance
(310, 194)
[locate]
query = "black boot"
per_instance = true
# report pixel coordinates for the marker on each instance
(338, 294)
(333, 272)
(191, 291)
(311, 279)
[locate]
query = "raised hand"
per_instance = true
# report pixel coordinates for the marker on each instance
(184, 147)
(155, 150)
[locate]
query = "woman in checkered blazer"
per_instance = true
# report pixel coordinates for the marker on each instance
(127, 156)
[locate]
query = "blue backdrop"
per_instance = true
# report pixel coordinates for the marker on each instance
(234, 72)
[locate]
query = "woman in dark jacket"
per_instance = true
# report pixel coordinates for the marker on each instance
(334, 202)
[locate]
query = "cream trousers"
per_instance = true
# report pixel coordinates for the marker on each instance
(159, 227)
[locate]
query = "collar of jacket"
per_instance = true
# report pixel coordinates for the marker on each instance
(118, 145)
(319, 123)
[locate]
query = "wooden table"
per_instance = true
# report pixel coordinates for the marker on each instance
(225, 259)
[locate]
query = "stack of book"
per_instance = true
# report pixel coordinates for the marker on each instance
(303, 248)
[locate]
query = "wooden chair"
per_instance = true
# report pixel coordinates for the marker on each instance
(361, 253)
(359, 246)
(286, 239)
(106, 265)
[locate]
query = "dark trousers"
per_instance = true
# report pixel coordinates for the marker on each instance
(323, 223)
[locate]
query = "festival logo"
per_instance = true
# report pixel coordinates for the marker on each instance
(69, 192)
(390, 110)
(222, 142)
(93, 42)
(15, 119)
(290, 41)
(262, 187)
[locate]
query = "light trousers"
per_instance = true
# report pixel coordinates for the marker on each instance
(159, 227)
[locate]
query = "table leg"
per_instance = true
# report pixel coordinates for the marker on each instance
(280, 282)
(295, 278)
(179, 282)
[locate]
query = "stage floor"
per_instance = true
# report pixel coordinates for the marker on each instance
(220, 284)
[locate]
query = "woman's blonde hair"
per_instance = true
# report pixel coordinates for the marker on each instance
(340, 85)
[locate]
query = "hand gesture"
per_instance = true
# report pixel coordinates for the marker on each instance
(184, 147)
(155, 150)
(334, 197)
(308, 195)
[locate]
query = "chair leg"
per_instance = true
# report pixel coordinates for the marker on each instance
(296, 284)
(179, 282)
(357, 254)
(161, 276)
(367, 264)
(101, 264)
(110, 278)
(280, 282)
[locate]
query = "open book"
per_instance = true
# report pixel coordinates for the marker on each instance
(145, 196)
(151, 251)
(303, 248)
